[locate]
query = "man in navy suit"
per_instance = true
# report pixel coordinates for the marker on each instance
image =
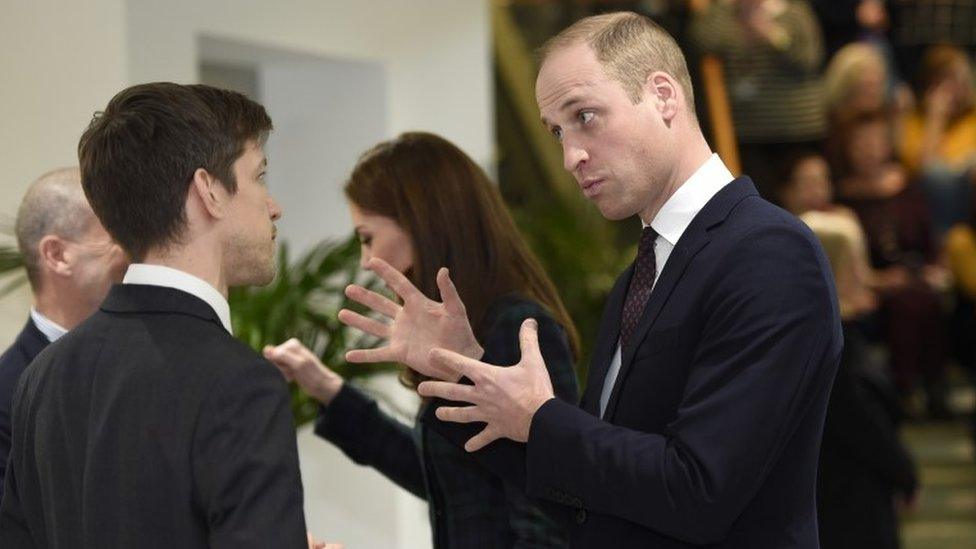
(702, 417)
(71, 263)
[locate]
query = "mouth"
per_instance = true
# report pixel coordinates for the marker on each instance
(592, 186)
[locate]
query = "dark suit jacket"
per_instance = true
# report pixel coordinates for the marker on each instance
(14, 361)
(148, 425)
(712, 431)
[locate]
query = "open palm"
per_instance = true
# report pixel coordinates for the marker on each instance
(415, 327)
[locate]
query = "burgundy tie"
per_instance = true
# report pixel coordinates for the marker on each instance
(645, 269)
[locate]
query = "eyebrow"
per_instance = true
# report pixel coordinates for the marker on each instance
(573, 100)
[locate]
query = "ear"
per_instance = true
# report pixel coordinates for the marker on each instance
(209, 193)
(665, 92)
(55, 255)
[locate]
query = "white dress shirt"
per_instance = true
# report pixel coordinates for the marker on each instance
(670, 223)
(158, 275)
(51, 329)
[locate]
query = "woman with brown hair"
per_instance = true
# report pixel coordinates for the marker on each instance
(421, 204)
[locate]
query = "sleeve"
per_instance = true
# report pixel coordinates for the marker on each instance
(14, 532)
(767, 353)
(355, 424)
(245, 463)
(805, 49)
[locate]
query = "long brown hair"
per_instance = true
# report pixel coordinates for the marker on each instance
(456, 218)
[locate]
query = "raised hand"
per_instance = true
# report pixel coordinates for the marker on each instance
(415, 327)
(504, 398)
(299, 364)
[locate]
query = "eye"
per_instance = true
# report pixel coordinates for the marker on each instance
(365, 240)
(557, 131)
(585, 116)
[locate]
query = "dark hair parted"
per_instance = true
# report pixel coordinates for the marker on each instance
(139, 155)
(457, 219)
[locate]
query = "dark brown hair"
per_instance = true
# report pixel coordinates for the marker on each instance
(457, 219)
(138, 156)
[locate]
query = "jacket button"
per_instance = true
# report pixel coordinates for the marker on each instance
(580, 516)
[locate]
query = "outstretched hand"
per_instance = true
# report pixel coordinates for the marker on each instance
(504, 398)
(299, 364)
(416, 327)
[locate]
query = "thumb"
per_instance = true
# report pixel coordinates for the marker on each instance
(529, 340)
(449, 293)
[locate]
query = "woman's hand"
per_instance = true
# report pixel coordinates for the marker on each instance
(299, 364)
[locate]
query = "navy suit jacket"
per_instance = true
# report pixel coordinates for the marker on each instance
(13, 362)
(712, 432)
(148, 425)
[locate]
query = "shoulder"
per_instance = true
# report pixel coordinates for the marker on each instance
(762, 244)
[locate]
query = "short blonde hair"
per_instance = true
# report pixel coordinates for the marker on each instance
(630, 47)
(844, 70)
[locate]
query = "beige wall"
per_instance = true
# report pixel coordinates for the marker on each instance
(59, 62)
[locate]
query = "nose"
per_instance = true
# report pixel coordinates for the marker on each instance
(363, 258)
(574, 156)
(274, 209)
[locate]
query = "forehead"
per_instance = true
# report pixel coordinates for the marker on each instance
(567, 74)
(253, 155)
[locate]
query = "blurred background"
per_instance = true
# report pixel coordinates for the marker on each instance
(856, 115)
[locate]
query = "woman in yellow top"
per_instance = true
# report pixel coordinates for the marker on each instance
(939, 139)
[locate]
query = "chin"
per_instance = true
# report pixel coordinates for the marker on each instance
(614, 213)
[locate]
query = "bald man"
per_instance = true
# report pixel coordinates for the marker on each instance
(71, 263)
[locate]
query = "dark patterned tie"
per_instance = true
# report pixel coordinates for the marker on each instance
(645, 269)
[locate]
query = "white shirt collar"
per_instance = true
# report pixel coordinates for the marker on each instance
(158, 275)
(678, 212)
(51, 329)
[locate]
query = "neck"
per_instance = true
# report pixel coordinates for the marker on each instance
(199, 258)
(692, 156)
(62, 307)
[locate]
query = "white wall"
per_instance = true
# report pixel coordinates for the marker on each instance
(59, 61)
(436, 52)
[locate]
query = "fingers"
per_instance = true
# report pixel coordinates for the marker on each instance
(458, 364)
(468, 414)
(372, 300)
(382, 354)
(366, 324)
(449, 294)
(529, 339)
(447, 391)
(482, 439)
(394, 279)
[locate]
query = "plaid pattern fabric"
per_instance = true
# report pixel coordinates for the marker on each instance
(469, 507)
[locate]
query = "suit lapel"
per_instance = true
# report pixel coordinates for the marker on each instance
(606, 343)
(691, 242)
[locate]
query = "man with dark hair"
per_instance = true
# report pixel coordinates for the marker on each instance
(71, 263)
(149, 424)
(704, 407)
